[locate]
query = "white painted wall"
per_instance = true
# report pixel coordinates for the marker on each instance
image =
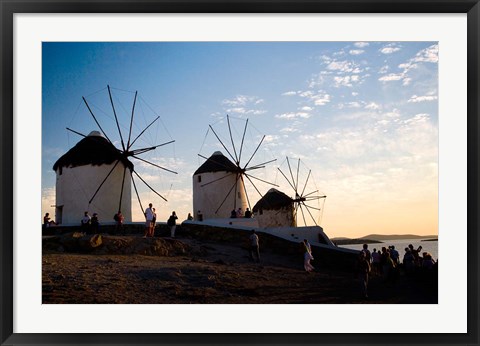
(208, 198)
(76, 186)
(276, 218)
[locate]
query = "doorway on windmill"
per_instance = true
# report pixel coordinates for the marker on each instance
(58, 214)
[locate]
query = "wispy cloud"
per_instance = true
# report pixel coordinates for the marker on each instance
(303, 115)
(390, 48)
(427, 55)
(425, 98)
(244, 105)
(356, 51)
(361, 44)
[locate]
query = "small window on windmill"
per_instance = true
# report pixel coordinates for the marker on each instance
(239, 195)
(199, 178)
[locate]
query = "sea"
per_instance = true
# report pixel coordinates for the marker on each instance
(400, 245)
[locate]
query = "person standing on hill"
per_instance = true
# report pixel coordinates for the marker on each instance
(154, 222)
(148, 221)
(368, 255)
(307, 256)
(363, 269)
(239, 213)
(172, 223)
(119, 223)
(95, 224)
(254, 248)
(85, 222)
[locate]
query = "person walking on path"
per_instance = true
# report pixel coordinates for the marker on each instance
(307, 256)
(254, 246)
(172, 223)
(148, 221)
(363, 269)
(119, 223)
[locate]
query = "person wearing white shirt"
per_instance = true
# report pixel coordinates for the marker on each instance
(149, 214)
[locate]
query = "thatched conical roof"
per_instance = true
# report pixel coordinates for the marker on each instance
(217, 163)
(273, 200)
(91, 150)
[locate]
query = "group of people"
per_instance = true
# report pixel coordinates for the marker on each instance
(239, 213)
(386, 263)
(151, 221)
(90, 224)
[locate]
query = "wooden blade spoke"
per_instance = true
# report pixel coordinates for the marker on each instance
(151, 188)
(228, 194)
(296, 214)
(311, 193)
(121, 191)
(293, 179)
(267, 182)
(253, 185)
(96, 121)
(153, 164)
(223, 145)
(258, 147)
(235, 194)
(131, 121)
(78, 133)
(303, 214)
(115, 115)
(136, 191)
(231, 139)
(145, 129)
(246, 194)
(298, 169)
(241, 145)
(307, 208)
(306, 182)
(314, 198)
(104, 180)
(144, 150)
(287, 180)
(260, 165)
(214, 181)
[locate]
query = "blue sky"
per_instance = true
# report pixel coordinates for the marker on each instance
(363, 116)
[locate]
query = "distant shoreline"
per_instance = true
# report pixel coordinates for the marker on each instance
(355, 241)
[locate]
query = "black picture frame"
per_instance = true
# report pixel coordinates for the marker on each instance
(9, 7)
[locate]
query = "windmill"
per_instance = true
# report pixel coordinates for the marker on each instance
(306, 200)
(220, 183)
(96, 172)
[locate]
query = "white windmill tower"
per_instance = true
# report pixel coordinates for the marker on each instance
(95, 176)
(82, 170)
(214, 201)
(219, 183)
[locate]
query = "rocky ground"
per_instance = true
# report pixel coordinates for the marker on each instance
(133, 270)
